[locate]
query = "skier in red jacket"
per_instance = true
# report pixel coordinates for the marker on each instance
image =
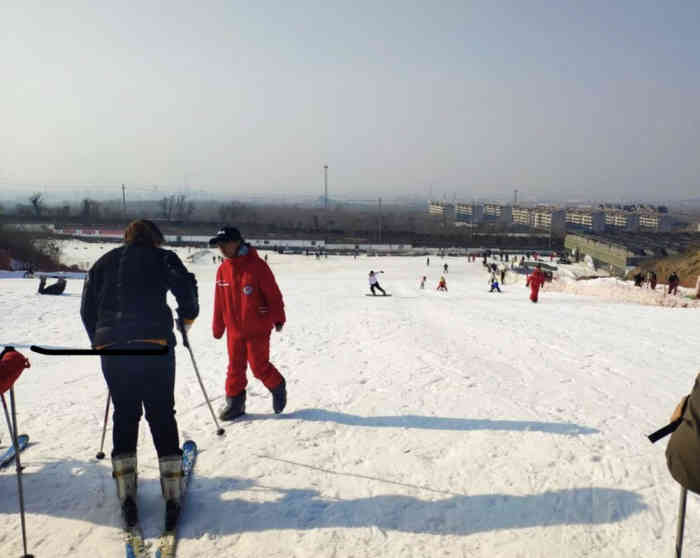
(247, 305)
(535, 280)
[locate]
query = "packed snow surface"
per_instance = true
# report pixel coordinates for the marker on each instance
(426, 424)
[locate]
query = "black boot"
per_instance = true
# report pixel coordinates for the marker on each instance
(279, 397)
(235, 407)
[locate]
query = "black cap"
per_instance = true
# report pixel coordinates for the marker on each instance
(226, 234)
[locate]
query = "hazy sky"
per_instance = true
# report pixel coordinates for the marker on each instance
(573, 99)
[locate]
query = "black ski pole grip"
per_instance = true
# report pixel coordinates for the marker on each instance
(665, 431)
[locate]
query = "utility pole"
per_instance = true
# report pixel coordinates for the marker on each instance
(124, 200)
(325, 186)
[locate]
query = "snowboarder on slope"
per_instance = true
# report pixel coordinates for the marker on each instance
(535, 281)
(442, 285)
(56, 289)
(374, 283)
(247, 306)
(124, 305)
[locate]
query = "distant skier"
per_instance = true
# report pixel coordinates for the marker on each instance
(427, 261)
(124, 306)
(653, 280)
(444, 267)
(442, 285)
(374, 283)
(535, 281)
(248, 305)
(503, 275)
(638, 279)
(265, 258)
(422, 282)
(56, 289)
(493, 281)
(673, 282)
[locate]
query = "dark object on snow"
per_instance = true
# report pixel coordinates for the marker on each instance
(56, 289)
(235, 407)
(638, 280)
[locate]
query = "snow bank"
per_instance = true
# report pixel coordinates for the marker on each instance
(624, 291)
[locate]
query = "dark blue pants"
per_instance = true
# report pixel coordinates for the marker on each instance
(138, 382)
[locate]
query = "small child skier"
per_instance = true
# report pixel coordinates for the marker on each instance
(442, 285)
(493, 281)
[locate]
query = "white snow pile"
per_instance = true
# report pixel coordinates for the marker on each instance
(624, 291)
(200, 257)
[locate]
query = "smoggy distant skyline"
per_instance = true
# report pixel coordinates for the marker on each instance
(562, 100)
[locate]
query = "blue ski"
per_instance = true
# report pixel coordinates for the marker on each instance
(9, 455)
(167, 543)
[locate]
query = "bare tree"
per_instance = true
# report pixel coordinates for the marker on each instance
(167, 206)
(37, 203)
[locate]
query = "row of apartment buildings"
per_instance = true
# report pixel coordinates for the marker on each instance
(554, 219)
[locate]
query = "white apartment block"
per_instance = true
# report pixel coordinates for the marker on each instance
(593, 221)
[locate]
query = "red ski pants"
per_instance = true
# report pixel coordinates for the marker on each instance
(534, 292)
(256, 352)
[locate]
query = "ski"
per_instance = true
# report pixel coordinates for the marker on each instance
(133, 539)
(9, 455)
(167, 543)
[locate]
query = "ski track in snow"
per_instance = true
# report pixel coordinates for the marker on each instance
(464, 423)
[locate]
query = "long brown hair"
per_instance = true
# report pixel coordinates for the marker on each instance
(143, 231)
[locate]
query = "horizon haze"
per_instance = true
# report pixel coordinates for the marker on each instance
(559, 100)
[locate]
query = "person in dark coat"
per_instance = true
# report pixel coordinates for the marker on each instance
(123, 306)
(56, 289)
(673, 282)
(683, 450)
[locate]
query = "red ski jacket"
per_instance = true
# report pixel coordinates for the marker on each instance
(536, 279)
(247, 300)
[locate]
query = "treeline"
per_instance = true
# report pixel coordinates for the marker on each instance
(177, 214)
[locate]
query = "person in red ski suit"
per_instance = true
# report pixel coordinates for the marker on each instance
(535, 280)
(247, 306)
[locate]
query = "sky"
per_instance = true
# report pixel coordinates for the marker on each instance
(562, 100)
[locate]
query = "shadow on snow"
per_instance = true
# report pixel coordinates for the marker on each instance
(429, 423)
(222, 506)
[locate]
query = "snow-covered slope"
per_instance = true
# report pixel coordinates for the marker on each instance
(425, 424)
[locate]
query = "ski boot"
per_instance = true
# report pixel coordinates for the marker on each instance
(235, 407)
(172, 483)
(279, 397)
(124, 473)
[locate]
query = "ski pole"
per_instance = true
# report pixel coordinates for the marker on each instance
(186, 343)
(101, 453)
(681, 522)
(13, 434)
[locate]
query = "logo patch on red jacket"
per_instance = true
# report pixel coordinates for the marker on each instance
(247, 290)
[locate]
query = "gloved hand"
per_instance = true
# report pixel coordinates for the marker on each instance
(186, 325)
(6, 350)
(279, 326)
(680, 408)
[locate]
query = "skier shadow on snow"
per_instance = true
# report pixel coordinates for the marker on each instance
(214, 507)
(431, 423)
